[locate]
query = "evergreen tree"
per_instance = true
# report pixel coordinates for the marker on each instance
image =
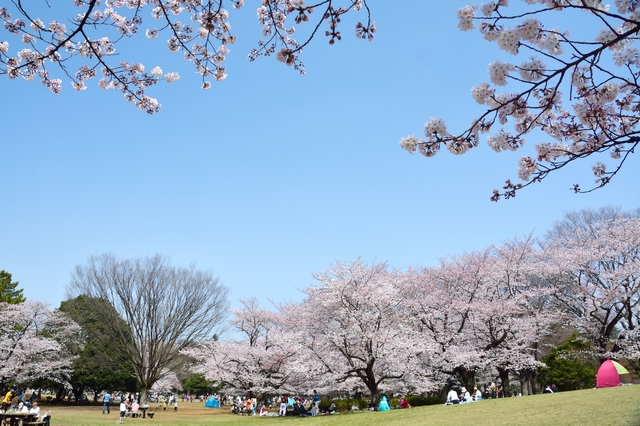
(9, 292)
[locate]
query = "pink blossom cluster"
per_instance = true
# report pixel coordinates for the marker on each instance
(199, 29)
(603, 92)
(36, 342)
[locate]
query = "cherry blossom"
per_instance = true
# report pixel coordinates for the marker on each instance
(595, 273)
(201, 30)
(34, 342)
(596, 78)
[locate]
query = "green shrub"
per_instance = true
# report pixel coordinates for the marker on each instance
(346, 404)
(394, 403)
(417, 401)
(324, 404)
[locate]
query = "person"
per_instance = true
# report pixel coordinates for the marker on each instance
(6, 401)
(404, 403)
(283, 405)
(384, 405)
(316, 398)
(249, 406)
(314, 410)
(477, 394)
(123, 411)
(547, 390)
(135, 407)
(22, 408)
(452, 397)
(263, 411)
(175, 405)
(370, 406)
(466, 396)
(106, 401)
(298, 408)
(47, 417)
(554, 388)
(35, 409)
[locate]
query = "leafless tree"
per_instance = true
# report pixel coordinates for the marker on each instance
(165, 308)
(584, 220)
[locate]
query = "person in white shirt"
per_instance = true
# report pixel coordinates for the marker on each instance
(466, 396)
(452, 397)
(477, 394)
(35, 409)
(123, 411)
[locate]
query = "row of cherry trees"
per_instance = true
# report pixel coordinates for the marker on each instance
(476, 317)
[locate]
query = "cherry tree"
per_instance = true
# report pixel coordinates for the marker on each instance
(580, 93)
(511, 315)
(260, 362)
(57, 42)
(36, 342)
(485, 312)
(167, 383)
(596, 275)
(440, 302)
(355, 326)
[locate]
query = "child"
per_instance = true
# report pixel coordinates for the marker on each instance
(123, 411)
(175, 406)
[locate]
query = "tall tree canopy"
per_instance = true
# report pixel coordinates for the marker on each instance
(101, 363)
(165, 308)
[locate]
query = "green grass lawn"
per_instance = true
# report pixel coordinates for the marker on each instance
(613, 406)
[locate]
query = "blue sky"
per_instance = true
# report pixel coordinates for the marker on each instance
(270, 175)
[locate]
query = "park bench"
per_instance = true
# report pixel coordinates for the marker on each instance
(44, 422)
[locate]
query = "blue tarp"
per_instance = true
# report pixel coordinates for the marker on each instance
(212, 403)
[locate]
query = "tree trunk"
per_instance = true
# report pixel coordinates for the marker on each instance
(77, 393)
(61, 393)
(143, 396)
(468, 377)
(375, 394)
(504, 378)
(527, 382)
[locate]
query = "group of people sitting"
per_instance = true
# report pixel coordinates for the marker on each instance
(465, 396)
(12, 403)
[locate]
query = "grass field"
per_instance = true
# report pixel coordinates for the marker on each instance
(613, 406)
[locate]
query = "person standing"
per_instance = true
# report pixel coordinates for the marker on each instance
(123, 411)
(283, 405)
(106, 400)
(175, 405)
(6, 402)
(316, 398)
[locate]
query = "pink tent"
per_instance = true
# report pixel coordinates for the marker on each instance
(609, 374)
